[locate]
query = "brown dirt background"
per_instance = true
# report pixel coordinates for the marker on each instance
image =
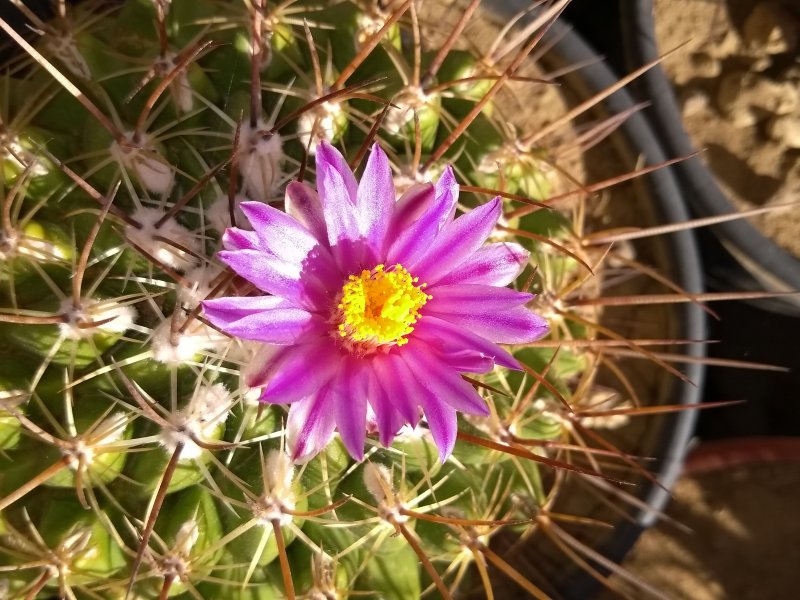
(738, 81)
(742, 539)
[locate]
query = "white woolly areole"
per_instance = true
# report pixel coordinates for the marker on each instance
(260, 160)
(402, 113)
(377, 480)
(409, 434)
(119, 318)
(199, 419)
(368, 24)
(410, 176)
(323, 573)
(279, 472)
(603, 399)
(218, 215)
(278, 496)
(541, 406)
(325, 115)
(151, 169)
(186, 538)
(14, 152)
(180, 88)
(179, 348)
(63, 47)
(201, 280)
(147, 237)
(109, 432)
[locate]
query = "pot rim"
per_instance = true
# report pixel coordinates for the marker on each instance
(765, 264)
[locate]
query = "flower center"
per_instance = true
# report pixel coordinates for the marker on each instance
(380, 306)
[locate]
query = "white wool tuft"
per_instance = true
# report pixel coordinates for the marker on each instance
(151, 169)
(120, 317)
(260, 161)
(145, 237)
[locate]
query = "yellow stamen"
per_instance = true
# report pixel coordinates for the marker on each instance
(380, 306)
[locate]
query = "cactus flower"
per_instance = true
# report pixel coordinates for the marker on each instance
(373, 306)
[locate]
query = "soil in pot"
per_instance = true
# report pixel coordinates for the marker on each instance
(741, 533)
(738, 85)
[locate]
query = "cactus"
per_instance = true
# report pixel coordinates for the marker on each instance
(136, 460)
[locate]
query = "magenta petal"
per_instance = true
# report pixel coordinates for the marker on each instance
(302, 372)
(493, 264)
(240, 239)
(473, 298)
(265, 319)
(388, 420)
(375, 199)
(514, 326)
(457, 242)
(222, 311)
(410, 207)
(263, 366)
(328, 157)
(337, 191)
(447, 339)
(466, 361)
(302, 202)
(400, 387)
(269, 273)
(443, 424)
(414, 241)
(350, 407)
(310, 426)
(279, 233)
(444, 383)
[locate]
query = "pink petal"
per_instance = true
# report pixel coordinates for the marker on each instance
(375, 199)
(302, 203)
(386, 419)
(514, 326)
(457, 242)
(254, 319)
(328, 157)
(273, 275)
(409, 208)
(466, 361)
(493, 264)
(310, 426)
(401, 391)
(307, 284)
(337, 189)
(265, 363)
(303, 372)
(444, 383)
(413, 242)
(279, 233)
(240, 239)
(349, 396)
(446, 339)
(442, 422)
(473, 298)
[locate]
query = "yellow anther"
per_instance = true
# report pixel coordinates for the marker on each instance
(380, 305)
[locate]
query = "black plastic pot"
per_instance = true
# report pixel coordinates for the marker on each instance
(764, 265)
(635, 138)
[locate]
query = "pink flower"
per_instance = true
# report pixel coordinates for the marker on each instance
(375, 305)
